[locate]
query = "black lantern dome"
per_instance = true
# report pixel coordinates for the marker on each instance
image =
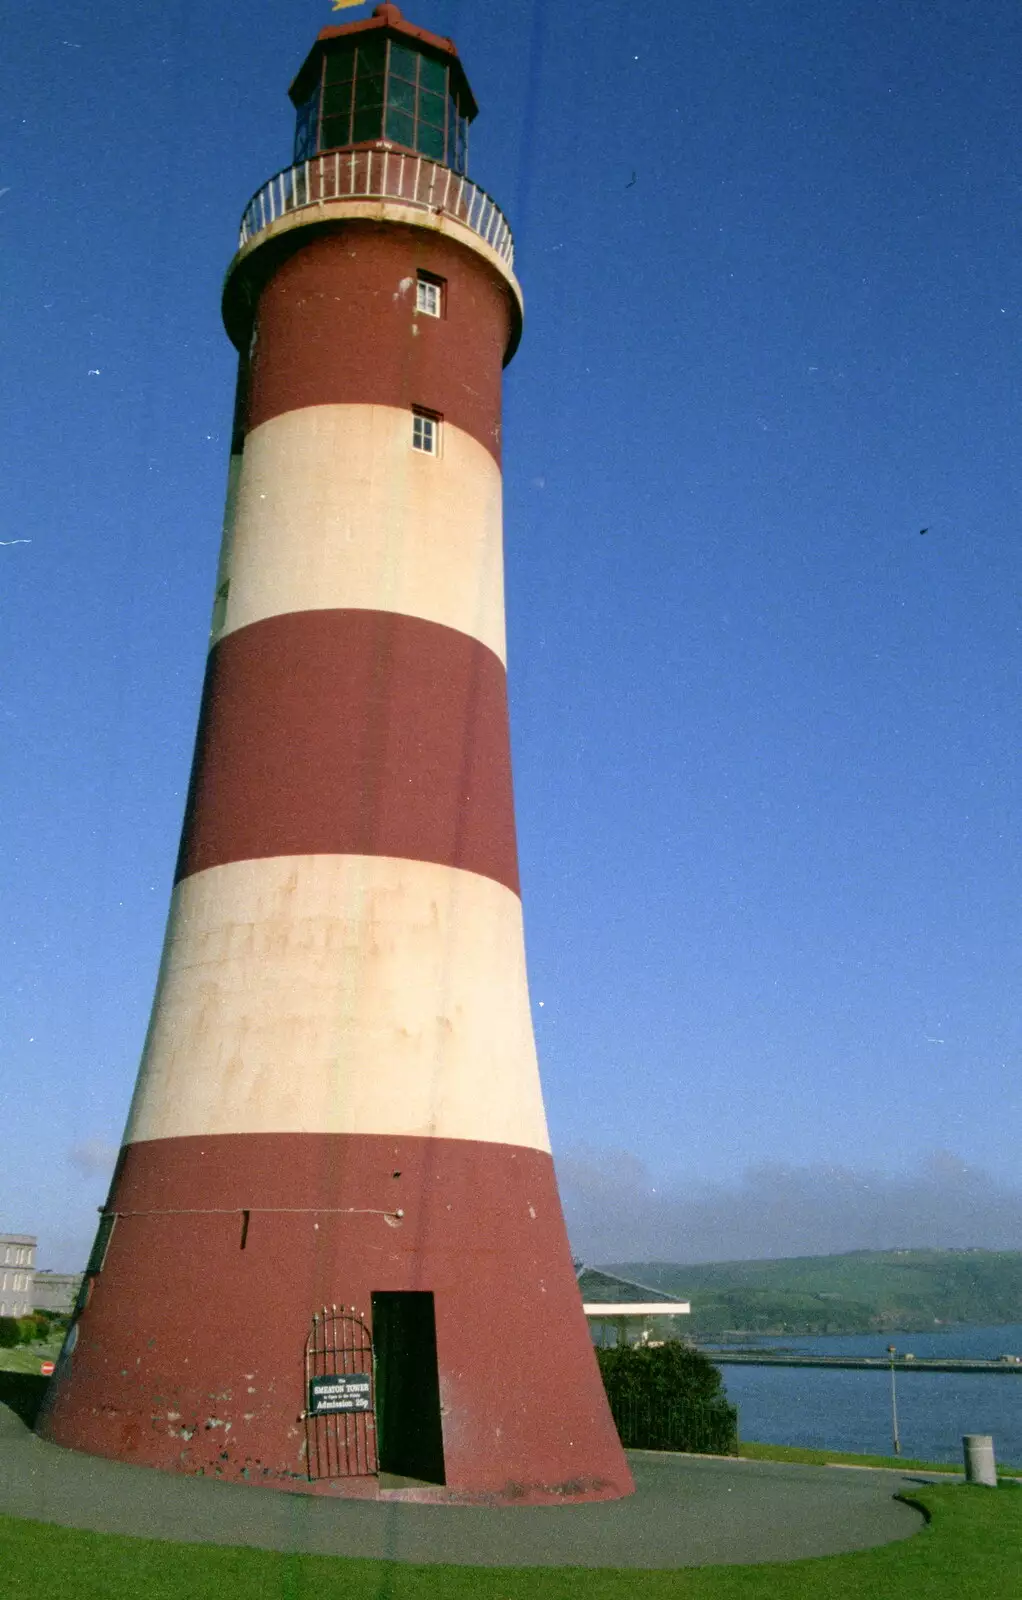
(383, 80)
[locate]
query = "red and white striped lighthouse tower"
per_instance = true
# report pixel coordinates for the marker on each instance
(333, 1257)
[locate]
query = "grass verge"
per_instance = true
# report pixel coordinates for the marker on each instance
(845, 1458)
(27, 1357)
(970, 1550)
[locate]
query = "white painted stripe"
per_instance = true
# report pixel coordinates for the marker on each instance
(341, 994)
(335, 509)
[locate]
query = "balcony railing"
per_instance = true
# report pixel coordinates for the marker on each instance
(379, 175)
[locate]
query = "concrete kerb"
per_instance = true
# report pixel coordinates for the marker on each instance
(687, 1511)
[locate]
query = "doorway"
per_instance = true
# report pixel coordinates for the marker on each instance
(409, 1431)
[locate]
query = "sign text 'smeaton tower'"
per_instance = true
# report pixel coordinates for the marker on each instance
(336, 1161)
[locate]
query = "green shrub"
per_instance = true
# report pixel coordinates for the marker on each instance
(10, 1333)
(668, 1397)
(50, 1323)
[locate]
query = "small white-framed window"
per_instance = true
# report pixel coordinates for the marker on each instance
(426, 432)
(429, 295)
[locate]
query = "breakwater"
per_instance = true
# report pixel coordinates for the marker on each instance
(797, 1358)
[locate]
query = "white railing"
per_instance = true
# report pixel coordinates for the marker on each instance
(378, 175)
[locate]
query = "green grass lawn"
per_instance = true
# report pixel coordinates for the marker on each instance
(971, 1550)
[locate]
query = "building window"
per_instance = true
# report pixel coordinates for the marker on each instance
(429, 295)
(426, 432)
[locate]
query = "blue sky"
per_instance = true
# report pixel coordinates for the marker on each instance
(764, 732)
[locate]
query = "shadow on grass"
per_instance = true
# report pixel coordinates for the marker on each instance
(23, 1393)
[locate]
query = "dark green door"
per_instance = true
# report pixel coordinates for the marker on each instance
(409, 1434)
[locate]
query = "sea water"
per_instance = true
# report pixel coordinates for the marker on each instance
(851, 1410)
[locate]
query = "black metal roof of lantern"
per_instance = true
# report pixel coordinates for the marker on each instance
(383, 80)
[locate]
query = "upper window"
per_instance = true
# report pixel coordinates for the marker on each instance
(429, 295)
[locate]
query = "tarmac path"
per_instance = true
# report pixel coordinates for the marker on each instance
(688, 1511)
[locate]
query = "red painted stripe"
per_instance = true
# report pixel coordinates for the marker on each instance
(335, 327)
(352, 732)
(199, 1317)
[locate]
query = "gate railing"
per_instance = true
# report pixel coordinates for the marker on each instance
(379, 175)
(699, 1427)
(340, 1443)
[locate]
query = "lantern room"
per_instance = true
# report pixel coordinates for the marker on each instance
(383, 80)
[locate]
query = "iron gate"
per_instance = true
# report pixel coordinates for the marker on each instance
(340, 1416)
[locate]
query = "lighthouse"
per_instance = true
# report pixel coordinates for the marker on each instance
(333, 1258)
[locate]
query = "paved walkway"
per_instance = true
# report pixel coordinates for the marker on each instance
(688, 1511)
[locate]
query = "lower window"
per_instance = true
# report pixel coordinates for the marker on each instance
(426, 432)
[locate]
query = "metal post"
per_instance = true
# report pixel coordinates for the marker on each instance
(892, 1352)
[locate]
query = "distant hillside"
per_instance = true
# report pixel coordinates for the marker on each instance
(864, 1291)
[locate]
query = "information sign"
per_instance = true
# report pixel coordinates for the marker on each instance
(340, 1391)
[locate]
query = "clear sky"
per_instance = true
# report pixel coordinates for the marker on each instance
(764, 731)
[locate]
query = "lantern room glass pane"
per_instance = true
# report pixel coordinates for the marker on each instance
(368, 92)
(367, 124)
(306, 128)
(403, 63)
(432, 109)
(401, 127)
(372, 56)
(432, 75)
(335, 132)
(431, 141)
(337, 100)
(340, 66)
(401, 95)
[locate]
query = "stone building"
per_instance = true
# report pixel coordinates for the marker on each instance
(17, 1273)
(56, 1291)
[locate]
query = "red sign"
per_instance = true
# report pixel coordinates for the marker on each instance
(46, 1368)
